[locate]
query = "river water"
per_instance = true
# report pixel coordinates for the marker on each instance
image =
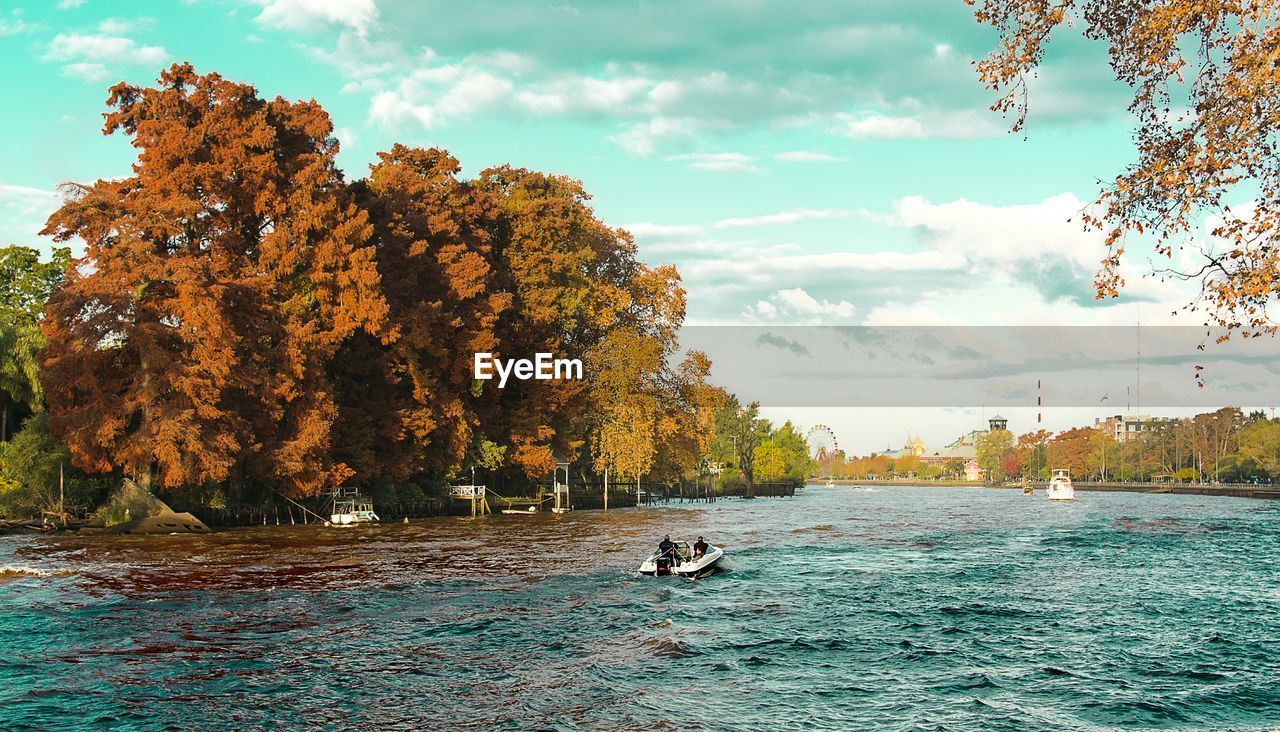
(841, 608)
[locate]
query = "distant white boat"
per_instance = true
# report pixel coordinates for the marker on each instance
(351, 508)
(831, 484)
(530, 511)
(1060, 488)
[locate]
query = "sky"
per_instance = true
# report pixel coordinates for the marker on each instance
(827, 162)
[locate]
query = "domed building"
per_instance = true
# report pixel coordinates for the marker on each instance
(963, 449)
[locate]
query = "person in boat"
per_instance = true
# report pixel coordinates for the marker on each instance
(699, 548)
(667, 547)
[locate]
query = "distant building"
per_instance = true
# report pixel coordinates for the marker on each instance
(973, 471)
(963, 449)
(1124, 428)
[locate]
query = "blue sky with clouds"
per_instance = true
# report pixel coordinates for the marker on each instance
(818, 162)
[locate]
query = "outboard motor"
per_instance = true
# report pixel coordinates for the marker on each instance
(664, 565)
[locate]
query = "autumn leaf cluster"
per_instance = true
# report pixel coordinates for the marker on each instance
(1204, 75)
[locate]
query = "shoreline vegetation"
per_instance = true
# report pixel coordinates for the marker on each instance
(1227, 445)
(247, 326)
(1265, 491)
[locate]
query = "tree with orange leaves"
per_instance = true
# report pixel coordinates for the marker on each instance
(407, 401)
(1204, 78)
(191, 342)
(574, 282)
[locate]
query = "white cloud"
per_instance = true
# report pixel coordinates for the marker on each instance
(103, 48)
(69, 4)
(641, 138)
(434, 95)
(796, 304)
(645, 230)
(883, 127)
(729, 162)
(1004, 233)
(572, 94)
(767, 309)
(85, 70)
(955, 125)
(785, 217)
(806, 156)
(13, 24)
(116, 26)
(759, 269)
(23, 211)
(346, 137)
(358, 15)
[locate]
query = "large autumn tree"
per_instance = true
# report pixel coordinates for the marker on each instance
(1204, 77)
(408, 402)
(574, 281)
(190, 342)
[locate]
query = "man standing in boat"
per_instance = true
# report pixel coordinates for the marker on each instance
(667, 547)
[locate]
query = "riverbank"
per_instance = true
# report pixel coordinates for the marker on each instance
(1263, 492)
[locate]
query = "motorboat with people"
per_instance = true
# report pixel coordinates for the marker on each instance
(678, 558)
(350, 508)
(1060, 488)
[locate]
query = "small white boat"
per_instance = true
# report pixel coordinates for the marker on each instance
(681, 562)
(1060, 488)
(350, 508)
(831, 484)
(530, 511)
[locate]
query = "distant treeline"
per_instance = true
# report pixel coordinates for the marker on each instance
(1225, 445)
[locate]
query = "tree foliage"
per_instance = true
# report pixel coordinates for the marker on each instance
(1204, 78)
(217, 283)
(242, 311)
(992, 447)
(25, 284)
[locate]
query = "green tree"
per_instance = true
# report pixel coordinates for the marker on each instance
(29, 466)
(783, 456)
(1103, 453)
(25, 284)
(1260, 444)
(991, 448)
(770, 462)
(739, 431)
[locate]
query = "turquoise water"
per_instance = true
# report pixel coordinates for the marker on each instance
(844, 608)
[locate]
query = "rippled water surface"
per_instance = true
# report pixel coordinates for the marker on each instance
(844, 608)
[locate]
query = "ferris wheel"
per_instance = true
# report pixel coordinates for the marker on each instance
(822, 442)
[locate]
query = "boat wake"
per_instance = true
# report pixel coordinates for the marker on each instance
(11, 572)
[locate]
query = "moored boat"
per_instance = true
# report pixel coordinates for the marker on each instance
(350, 508)
(681, 561)
(1060, 488)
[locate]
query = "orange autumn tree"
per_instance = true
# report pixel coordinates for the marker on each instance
(190, 342)
(1204, 77)
(573, 281)
(408, 403)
